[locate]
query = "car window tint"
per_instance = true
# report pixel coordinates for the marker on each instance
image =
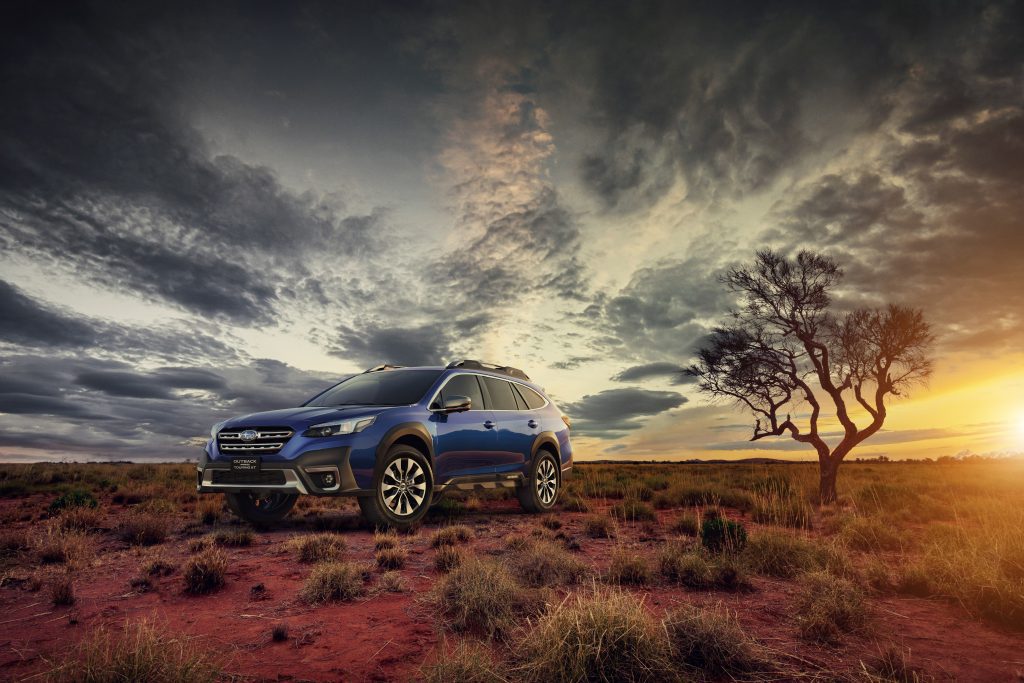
(464, 385)
(533, 399)
(520, 403)
(501, 394)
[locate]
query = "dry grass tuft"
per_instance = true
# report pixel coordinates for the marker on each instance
(141, 652)
(83, 519)
(447, 558)
(234, 538)
(392, 558)
(829, 606)
(141, 527)
(696, 569)
(62, 590)
(205, 572)
(781, 554)
(543, 563)
(480, 596)
(385, 540)
(632, 510)
(334, 582)
(711, 640)
(451, 535)
(466, 662)
(629, 569)
(392, 582)
(598, 527)
(687, 524)
(320, 547)
(603, 635)
(209, 509)
(70, 548)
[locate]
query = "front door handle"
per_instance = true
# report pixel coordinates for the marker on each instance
(489, 424)
(532, 424)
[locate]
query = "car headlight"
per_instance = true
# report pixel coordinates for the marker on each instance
(216, 428)
(336, 428)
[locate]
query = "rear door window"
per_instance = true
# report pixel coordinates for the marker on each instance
(532, 398)
(464, 385)
(501, 394)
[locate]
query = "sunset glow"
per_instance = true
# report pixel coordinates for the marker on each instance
(193, 229)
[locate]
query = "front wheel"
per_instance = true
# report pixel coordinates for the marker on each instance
(540, 491)
(402, 490)
(261, 507)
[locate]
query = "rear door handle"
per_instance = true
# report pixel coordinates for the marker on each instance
(489, 424)
(532, 424)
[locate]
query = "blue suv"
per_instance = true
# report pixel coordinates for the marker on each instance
(396, 438)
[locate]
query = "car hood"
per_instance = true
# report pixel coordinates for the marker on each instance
(302, 417)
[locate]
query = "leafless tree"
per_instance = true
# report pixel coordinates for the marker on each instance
(784, 350)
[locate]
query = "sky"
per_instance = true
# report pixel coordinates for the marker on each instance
(210, 209)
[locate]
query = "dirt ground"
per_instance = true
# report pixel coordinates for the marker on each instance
(387, 636)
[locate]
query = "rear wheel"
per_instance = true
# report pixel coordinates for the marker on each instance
(540, 491)
(402, 490)
(261, 507)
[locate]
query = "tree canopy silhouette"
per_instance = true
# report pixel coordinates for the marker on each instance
(784, 351)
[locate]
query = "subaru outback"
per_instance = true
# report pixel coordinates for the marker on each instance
(396, 438)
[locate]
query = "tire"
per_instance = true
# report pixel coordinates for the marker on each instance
(540, 493)
(403, 488)
(261, 508)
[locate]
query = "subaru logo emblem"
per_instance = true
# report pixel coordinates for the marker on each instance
(249, 435)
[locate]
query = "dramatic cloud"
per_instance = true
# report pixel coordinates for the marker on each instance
(662, 370)
(612, 412)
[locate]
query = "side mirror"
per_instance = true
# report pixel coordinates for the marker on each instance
(456, 404)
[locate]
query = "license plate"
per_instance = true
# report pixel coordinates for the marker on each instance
(251, 464)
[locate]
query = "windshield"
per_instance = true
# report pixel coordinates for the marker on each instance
(382, 388)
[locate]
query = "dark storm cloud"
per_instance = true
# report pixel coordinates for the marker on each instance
(101, 173)
(371, 343)
(25, 321)
(661, 370)
(613, 412)
(111, 408)
(721, 95)
(661, 313)
(29, 323)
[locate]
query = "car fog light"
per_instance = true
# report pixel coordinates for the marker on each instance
(328, 480)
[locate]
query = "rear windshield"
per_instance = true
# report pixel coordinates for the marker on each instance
(382, 388)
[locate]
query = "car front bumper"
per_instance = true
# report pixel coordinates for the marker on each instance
(305, 474)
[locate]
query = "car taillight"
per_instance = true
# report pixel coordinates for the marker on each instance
(567, 421)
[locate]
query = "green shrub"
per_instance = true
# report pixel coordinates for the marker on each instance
(75, 498)
(723, 535)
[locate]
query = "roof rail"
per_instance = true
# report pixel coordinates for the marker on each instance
(383, 366)
(493, 367)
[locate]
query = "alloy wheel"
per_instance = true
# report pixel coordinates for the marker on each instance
(547, 481)
(403, 486)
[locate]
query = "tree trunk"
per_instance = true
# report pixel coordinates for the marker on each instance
(827, 488)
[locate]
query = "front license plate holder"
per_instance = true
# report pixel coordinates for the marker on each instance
(249, 463)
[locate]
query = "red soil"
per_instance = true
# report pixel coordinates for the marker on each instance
(387, 636)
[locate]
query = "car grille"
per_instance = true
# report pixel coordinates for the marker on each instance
(266, 478)
(268, 440)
